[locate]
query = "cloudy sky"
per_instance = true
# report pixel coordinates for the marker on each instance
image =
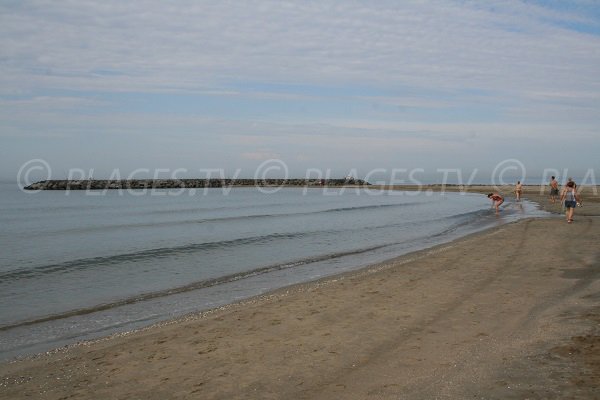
(341, 85)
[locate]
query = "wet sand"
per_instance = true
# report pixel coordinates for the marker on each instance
(513, 312)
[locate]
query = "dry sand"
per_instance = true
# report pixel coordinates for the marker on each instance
(512, 312)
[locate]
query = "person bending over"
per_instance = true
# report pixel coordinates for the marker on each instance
(496, 200)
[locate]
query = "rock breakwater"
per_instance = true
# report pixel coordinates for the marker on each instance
(99, 184)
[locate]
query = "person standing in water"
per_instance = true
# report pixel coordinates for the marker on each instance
(518, 190)
(496, 200)
(553, 190)
(570, 197)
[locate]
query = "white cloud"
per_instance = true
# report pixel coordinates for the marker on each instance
(199, 45)
(260, 155)
(538, 79)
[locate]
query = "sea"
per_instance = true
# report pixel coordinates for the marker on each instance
(81, 265)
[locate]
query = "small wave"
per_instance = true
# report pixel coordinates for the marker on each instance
(151, 224)
(81, 264)
(192, 286)
(464, 219)
(163, 252)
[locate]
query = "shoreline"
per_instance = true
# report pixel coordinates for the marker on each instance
(275, 293)
(60, 345)
(77, 353)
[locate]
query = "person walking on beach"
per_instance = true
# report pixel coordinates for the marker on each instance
(553, 190)
(496, 200)
(518, 190)
(570, 197)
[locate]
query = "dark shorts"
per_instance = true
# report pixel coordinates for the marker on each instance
(553, 192)
(570, 204)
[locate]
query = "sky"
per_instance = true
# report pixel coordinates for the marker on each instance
(340, 86)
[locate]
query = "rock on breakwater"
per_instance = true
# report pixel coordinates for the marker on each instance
(100, 184)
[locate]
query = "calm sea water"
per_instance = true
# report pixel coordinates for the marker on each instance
(77, 265)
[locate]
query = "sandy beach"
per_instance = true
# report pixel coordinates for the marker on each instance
(512, 312)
